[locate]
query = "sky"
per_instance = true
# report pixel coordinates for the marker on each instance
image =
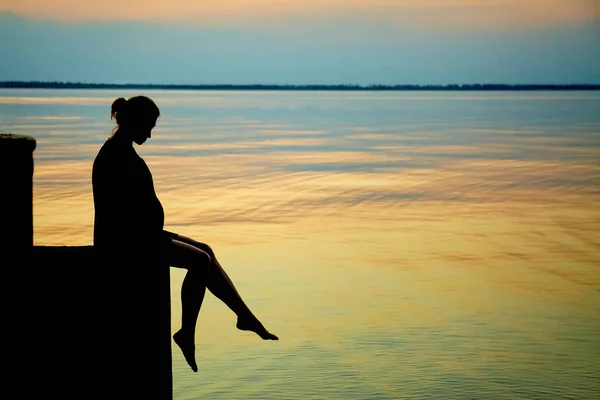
(301, 42)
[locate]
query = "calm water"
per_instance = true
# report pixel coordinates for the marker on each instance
(402, 245)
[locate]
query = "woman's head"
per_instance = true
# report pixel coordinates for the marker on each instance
(136, 116)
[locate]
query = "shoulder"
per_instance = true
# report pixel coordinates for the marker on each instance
(112, 151)
(109, 157)
(107, 147)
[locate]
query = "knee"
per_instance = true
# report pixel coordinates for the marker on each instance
(203, 258)
(206, 249)
(199, 245)
(198, 265)
(190, 257)
(195, 260)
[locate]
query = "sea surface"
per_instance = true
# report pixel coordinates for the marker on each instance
(402, 245)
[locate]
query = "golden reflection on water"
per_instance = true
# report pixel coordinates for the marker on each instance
(409, 268)
(307, 244)
(464, 218)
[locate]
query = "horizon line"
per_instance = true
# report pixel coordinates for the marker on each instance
(34, 84)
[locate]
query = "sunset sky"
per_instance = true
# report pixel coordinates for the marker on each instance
(301, 42)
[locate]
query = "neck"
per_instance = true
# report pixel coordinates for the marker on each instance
(121, 136)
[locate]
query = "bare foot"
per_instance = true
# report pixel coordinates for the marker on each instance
(254, 325)
(188, 348)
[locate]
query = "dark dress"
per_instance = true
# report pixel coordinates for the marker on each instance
(128, 217)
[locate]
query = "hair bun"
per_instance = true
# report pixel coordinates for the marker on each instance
(118, 107)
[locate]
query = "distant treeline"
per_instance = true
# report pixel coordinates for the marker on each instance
(150, 86)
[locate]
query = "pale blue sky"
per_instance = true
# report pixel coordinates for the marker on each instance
(296, 51)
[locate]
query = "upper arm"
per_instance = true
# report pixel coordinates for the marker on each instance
(112, 190)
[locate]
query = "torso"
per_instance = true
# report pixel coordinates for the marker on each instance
(125, 202)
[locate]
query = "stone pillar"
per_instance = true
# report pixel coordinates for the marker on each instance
(16, 243)
(16, 195)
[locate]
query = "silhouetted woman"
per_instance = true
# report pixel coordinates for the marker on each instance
(129, 220)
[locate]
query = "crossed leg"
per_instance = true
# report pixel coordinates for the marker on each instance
(205, 272)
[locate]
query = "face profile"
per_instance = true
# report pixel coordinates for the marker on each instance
(143, 131)
(136, 117)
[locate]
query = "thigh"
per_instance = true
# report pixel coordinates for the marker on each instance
(184, 255)
(199, 245)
